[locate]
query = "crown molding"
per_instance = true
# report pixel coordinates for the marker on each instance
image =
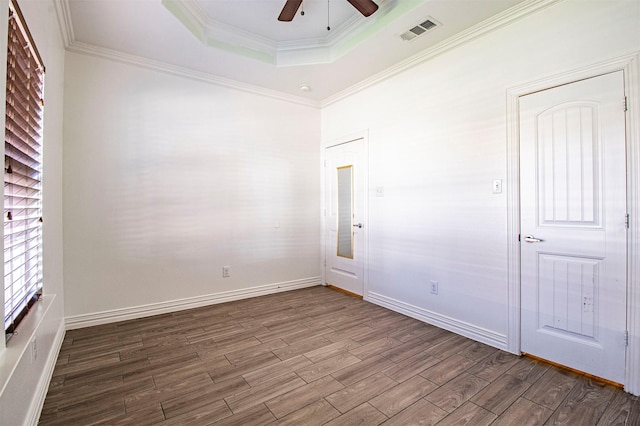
(64, 21)
(192, 10)
(489, 25)
(71, 45)
(217, 34)
(338, 43)
(217, 30)
(498, 21)
(292, 53)
(125, 58)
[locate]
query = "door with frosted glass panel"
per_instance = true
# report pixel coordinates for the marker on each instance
(344, 222)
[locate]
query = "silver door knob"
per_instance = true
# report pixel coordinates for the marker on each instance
(358, 225)
(532, 239)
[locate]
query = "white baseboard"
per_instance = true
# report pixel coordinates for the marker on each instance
(33, 416)
(106, 317)
(459, 327)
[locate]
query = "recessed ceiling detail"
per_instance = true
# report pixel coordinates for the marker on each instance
(346, 27)
(177, 38)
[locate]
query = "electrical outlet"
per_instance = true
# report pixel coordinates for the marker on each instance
(434, 287)
(226, 271)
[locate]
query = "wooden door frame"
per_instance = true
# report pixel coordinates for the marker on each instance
(352, 137)
(630, 65)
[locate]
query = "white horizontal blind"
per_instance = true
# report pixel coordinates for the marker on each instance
(22, 177)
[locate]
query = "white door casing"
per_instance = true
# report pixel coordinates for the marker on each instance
(573, 207)
(345, 193)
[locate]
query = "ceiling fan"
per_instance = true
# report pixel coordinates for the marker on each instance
(366, 7)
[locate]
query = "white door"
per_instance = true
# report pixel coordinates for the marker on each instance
(344, 210)
(573, 225)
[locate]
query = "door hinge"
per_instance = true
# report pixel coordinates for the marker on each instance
(626, 337)
(519, 237)
(626, 220)
(626, 107)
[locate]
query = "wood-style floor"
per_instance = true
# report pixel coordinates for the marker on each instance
(310, 357)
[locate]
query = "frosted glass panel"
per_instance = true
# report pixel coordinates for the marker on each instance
(345, 211)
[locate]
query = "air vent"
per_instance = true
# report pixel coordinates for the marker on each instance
(419, 29)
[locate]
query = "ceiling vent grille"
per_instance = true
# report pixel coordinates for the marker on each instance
(419, 29)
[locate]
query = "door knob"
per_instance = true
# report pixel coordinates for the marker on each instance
(358, 225)
(532, 239)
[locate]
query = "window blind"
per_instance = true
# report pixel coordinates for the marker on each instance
(22, 177)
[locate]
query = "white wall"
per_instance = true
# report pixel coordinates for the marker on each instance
(169, 179)
(23, 381)
(438, 140)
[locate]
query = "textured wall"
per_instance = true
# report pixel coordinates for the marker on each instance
(168, 179)
(437, 137)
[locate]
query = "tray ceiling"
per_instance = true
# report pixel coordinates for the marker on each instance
(242, 42)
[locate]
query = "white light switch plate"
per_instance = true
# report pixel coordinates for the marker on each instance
(497, 186)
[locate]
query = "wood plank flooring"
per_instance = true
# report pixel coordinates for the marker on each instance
(311, 357)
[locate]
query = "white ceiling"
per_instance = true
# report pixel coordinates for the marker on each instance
(242, 40)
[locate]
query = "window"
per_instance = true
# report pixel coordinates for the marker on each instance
(22, 177)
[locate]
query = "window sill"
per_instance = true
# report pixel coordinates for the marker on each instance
(17, 347)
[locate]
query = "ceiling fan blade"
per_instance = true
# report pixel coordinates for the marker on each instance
(366, 7)
(289, 10)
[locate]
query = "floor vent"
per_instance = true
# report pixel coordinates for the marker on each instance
(419, 29)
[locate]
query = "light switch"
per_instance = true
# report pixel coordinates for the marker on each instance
(497, 186)
(380, 191)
